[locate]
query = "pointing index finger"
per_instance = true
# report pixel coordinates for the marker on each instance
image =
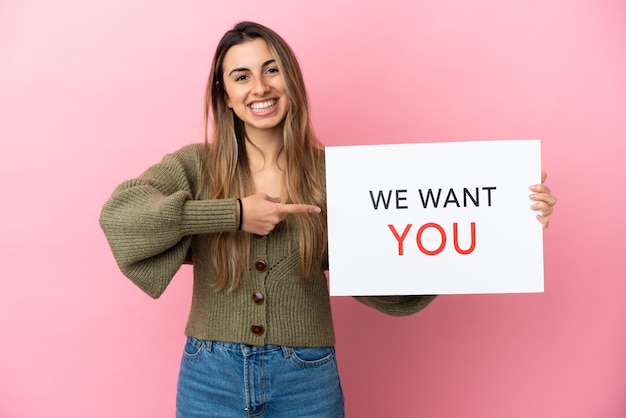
(300, 208)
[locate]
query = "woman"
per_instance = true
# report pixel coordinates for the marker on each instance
(247, 208)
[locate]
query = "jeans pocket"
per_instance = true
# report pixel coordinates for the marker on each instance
(311, 356)
(193, 348)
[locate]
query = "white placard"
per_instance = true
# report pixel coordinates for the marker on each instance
(434, 218)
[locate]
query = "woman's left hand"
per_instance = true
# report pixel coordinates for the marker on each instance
(544, 201)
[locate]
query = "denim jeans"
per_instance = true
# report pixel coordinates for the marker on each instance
(225, 380)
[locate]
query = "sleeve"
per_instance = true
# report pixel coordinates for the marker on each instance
(397, 305)
(149, 221)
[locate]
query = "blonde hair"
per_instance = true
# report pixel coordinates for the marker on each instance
(226, 172)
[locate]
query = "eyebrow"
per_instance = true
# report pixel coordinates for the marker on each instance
(242, 69)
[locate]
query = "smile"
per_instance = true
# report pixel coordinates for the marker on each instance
(263, 106)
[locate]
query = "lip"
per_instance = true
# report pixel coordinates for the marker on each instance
(263, 111)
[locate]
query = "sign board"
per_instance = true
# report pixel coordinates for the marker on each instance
(434, 218)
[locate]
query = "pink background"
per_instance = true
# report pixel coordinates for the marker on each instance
(91, 93)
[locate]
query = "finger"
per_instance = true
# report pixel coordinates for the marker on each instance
(540, 188)
(300, 208)
(545, 221)
(546, 210)
(544, 197)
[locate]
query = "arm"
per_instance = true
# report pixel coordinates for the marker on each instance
(149, 221)
(397, 305)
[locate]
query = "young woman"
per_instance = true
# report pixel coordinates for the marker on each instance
(247, 209)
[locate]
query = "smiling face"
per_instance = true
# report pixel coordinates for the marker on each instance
(254, 87)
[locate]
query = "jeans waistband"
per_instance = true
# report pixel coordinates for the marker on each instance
(245, 349)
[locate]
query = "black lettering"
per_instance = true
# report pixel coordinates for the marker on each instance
(399, 198)
(466, 194)
(429, 196)
(489, 189)
(381, 196)
(452, 199)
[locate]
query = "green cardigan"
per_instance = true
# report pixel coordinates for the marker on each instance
(153, 222)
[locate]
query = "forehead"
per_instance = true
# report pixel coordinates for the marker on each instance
(249, 55)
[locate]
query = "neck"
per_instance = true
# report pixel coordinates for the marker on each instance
(263, 148)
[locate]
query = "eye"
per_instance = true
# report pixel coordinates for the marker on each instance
(272, 71)
(242, 77)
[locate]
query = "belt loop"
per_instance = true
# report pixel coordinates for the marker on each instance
(209, 345)
(286, 351)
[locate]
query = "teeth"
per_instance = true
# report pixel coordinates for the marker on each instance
(263, 105)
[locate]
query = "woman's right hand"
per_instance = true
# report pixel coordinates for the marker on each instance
(261, 213)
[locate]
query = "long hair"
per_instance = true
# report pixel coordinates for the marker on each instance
(226, 171)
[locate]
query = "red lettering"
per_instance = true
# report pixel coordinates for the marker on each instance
(455, 228)
(419, 239)
(400, 238)
(444, 239)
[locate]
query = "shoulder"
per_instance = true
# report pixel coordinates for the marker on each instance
(179, 169)
(191, 152)
(190, 158)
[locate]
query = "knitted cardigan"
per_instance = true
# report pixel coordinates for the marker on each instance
(153, 223)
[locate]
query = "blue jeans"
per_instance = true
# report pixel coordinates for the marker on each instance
(225, 380)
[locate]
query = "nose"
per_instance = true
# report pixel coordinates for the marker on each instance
(261, 86)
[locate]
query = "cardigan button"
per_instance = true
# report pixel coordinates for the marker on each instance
(257, 329)
(258, 298)
(261, 266)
